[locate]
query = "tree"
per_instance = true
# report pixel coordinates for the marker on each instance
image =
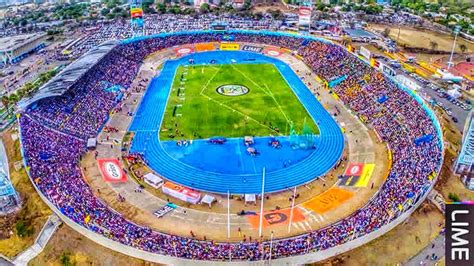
(13, 98)
(6, 102)
(463, 48)
(453, 197)
(346, 40)
(161, 8)
(433, 45)
(204, 8)
(386, 32)
(104, 11)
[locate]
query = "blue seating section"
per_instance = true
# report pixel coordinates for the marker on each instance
(147, 121)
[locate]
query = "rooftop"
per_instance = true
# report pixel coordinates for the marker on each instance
(13, 42)
(70, 74)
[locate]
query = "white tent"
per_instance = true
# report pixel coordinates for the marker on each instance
(454, 93)
(250, 198)
(208, 199)
(153, 180)
(91, 143)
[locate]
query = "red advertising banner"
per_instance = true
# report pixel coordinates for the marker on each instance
(111, 170)
(183, 50)
(272, 51)
(354, 169)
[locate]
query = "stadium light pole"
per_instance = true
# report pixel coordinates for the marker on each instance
(261, 204)
(228, 214)
(291, 210)
(271, 248)
(456, 32)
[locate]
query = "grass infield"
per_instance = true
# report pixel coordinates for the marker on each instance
(266, 105)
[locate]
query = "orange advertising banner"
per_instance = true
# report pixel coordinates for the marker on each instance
(328, 200)
(277, 217)
(205, 47)
(180, 192)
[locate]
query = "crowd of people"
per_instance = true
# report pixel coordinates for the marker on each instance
(155, 24)
(54, 132)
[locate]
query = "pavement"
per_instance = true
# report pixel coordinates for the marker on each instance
(457, 111)
(424, 257)
(49, 228)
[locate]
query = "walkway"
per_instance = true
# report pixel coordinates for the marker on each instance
(424, 257)
(44, 236)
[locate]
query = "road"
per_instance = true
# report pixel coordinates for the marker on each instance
(457, 111)
(424, 257)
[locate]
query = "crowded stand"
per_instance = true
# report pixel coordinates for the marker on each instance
(54, 132)
(155, 24)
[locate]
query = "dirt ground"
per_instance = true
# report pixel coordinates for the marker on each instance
(448, 182)
(67, 243)
(421, 38)
(398, 245)
(280, 199)
(34, 212)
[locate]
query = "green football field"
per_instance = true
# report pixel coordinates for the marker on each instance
(232, 100)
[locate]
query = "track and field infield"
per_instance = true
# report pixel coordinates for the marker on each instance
(232, 100)
(228, 167)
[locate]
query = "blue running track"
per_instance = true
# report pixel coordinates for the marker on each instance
(162, 159)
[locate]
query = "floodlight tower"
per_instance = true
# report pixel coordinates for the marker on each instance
(137, 21)
(456, 31)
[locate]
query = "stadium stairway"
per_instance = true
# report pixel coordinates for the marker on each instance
(329, 144)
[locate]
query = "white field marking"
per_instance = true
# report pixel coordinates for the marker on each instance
(267, 92)
(270, 93)
(230, 108)
(308, 225)
(209, 81)
(297, 226)
(321, 217)
(309, 213)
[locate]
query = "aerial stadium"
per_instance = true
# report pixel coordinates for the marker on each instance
(232, 115)
(236, 132)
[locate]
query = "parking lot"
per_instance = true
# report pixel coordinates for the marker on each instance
(456, 109)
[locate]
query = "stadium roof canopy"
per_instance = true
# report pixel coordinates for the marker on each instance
(466, 156)
(61, 83)
(11, 43)
(6, 188)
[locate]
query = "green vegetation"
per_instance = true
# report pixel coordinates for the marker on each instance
(196, 110)
(452, 12)
(65, 259)
(28, 88)
(453, 197)
(24, 229)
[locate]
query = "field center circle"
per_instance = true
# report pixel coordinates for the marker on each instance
(232, 90)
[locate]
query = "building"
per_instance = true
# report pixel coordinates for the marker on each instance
(465, 162)
(15, 48)
(58, 85)
(9, 199)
